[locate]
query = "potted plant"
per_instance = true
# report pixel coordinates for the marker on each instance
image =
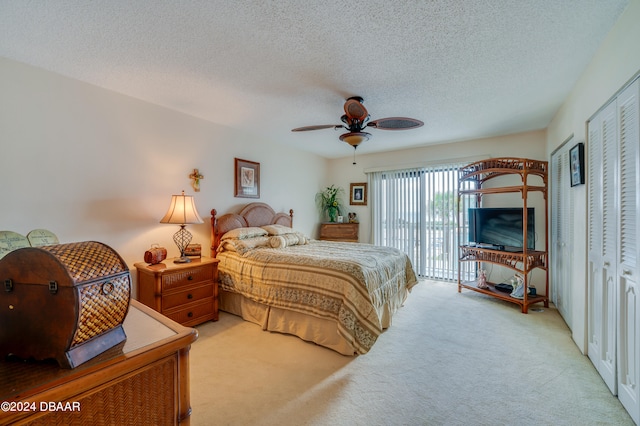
(329, 202)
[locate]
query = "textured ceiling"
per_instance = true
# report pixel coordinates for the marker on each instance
(467, 68)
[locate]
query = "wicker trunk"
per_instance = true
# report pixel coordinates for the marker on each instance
(65, 301)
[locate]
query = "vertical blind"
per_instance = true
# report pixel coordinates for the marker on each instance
(416, 211)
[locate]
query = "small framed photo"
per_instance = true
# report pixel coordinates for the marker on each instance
(358, 194)
(247, 179)
(576, 159)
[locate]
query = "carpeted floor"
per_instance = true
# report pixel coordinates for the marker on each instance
(448, 359)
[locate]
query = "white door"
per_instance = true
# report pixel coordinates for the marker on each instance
(561, 227)
(627, 267)
(594, 242)
(613, 235)
(602, 258)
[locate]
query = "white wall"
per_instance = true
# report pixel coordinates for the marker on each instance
(90, 164)
(615, 63)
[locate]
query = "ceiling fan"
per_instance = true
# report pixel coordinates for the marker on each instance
(356, 119)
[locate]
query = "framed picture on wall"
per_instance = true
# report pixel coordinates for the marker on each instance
(576, 160)
(358, 194)
(247, 179)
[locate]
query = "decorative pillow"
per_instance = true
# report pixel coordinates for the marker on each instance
(302, 239)
(244, 233)
(243, 246)
(278, 229)
(287, 240)
(277, 241)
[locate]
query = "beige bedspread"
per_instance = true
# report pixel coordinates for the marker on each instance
(351, 283)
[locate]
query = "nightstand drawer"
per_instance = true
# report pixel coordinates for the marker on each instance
(188, 295)
(192, 313)
(339, 232)
(184, 292)
(187, 277)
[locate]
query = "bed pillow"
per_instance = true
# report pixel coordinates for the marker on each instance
(243, 246)
(287, 240)
(244, 233)
(278, 229)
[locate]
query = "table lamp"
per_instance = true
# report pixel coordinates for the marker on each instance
(182, 211)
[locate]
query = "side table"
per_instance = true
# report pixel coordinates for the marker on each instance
(185, 292)
(339, 232)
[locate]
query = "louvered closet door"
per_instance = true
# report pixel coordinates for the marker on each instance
(627, 267)
(594, 241)
(561, 231)
(602, 257)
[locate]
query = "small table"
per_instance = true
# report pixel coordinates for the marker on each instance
(143, 380)
(339, 232)
(185, 292)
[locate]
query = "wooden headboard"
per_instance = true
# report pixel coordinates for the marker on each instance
(253, 214)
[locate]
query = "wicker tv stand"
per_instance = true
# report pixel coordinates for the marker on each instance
(526, 261)
(144, 380)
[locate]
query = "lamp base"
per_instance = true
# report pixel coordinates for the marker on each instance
(182, 238)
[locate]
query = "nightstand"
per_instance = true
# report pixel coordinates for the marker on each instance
(185, 292)
(339, 232)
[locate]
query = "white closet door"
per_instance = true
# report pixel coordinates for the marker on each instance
(627, 267)
(561, 231)
(602, 281)
(608, 355)
(594, 241)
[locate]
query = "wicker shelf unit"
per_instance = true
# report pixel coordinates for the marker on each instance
(523, 262)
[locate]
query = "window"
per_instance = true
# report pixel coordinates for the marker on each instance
(415, 210)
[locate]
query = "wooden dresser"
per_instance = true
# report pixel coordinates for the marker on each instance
(185, 292)
(142, 381)
(339, 232)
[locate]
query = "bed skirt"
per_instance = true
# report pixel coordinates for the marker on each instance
(321, 331)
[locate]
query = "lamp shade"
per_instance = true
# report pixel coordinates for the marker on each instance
(182, 211)
(355, 138)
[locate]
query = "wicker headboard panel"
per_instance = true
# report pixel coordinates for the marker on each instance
(253, 214)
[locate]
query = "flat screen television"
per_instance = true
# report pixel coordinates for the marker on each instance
(501, 226)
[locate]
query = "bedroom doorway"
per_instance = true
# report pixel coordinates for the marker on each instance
(415, 210)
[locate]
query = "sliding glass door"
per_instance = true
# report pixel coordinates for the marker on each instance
(416, 211)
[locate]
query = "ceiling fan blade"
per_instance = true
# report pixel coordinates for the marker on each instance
(395, 123)
(355, 110)
(319, 127)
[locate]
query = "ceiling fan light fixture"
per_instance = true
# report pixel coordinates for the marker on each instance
(356, 119)
(355, 138)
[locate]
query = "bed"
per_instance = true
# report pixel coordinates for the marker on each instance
(336, 294)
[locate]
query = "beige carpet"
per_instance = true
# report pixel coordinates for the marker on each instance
(448, 359)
